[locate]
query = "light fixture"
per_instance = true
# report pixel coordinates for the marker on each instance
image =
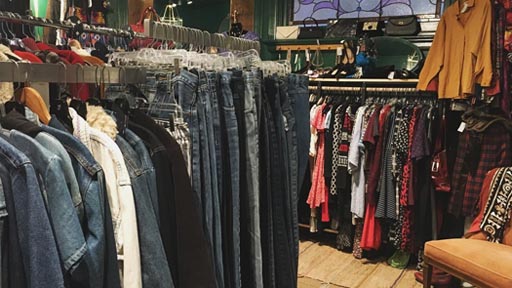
(189, 2)
(173, 5)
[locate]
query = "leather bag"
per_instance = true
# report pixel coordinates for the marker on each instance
(439, 172)
(342, 28)
(287, 32)
(311, 32)
(403, 26)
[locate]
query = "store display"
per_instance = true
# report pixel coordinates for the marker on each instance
(140, 151)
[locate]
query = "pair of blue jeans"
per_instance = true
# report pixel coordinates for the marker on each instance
(210, 102)
(231, 180)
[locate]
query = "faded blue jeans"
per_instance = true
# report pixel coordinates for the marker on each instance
(210, 103)
(231, 202)
(185, 86)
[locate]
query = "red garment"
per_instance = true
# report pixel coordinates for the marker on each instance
(82, 90)
(484, 195)
(318, 194)
(372, 231)
(28, 56)
(30, 44)
(375, 166)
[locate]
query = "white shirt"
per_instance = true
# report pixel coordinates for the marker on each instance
(356, 159)
(120, 197)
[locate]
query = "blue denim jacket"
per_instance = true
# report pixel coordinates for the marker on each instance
(64, 219)
(147, 167)
(37, 246)
(89, 176)
(155, 269)
(51, 143)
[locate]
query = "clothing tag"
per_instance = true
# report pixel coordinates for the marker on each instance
(462, 127)
(464, 7)
(308, 56)
(339, 51)
(391, 75)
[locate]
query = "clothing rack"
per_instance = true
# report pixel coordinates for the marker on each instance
(168, 32)
(75, 73)
(66, 25)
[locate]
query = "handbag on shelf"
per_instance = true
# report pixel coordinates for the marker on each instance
(287, 32)
(403, 26)
(371, 28)
(311, 32)
(340, 28)
(439, 171)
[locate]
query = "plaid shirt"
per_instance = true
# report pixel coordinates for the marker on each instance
(469, 170)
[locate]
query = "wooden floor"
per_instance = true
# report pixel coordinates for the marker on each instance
(324, 266)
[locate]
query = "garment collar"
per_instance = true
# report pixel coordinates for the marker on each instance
(470, 4)
(81, 128)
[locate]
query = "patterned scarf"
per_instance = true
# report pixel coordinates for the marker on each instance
(499, 205)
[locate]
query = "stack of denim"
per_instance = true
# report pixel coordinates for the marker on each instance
(247, 132)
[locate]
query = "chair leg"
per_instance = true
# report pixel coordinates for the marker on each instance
(427, 275)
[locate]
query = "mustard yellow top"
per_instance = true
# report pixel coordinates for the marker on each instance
(461, 51)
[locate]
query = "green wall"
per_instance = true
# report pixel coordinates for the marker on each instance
(204, 15)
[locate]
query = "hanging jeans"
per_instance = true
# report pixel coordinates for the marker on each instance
(211, 104)
(291, 144)
(252, 274)
(299, 100)
(280, 190)
(185, 86)
(266, 215)
(231, 202)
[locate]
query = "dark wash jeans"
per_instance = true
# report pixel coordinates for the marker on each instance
(231, 172)
(154, 266)
(291, 143)
(266, 215)
(299, 100)
(39, 264)
(280, 189)
(101, 267)
(210, 101)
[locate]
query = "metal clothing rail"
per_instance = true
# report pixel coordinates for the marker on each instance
(66, 25)
(367, 89)
(74, 73)
(168, 32)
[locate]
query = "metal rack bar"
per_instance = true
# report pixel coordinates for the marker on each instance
(361, 80)
(65, 25)
(367, 89)
(168, 32)
(59, 73)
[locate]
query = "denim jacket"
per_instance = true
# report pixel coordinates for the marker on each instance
(120, 195)
(102, 268)
(31, 225)
(155, 269)
(63, 216)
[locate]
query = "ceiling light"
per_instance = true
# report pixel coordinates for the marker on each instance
(189, 2)
(174, 5)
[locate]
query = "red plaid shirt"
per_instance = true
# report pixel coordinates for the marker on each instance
(495, 151)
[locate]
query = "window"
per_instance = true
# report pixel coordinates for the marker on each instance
(332, 9)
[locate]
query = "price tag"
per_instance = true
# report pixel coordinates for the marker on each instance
(339, 51)
(308, 56)
(462, 127)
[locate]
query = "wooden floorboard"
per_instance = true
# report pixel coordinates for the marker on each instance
(407, 280)
(384, 276)
(322, 266)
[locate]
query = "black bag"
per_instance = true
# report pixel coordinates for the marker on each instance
(372, 28)
(403, 26)
(311, 32)
(342, 28)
